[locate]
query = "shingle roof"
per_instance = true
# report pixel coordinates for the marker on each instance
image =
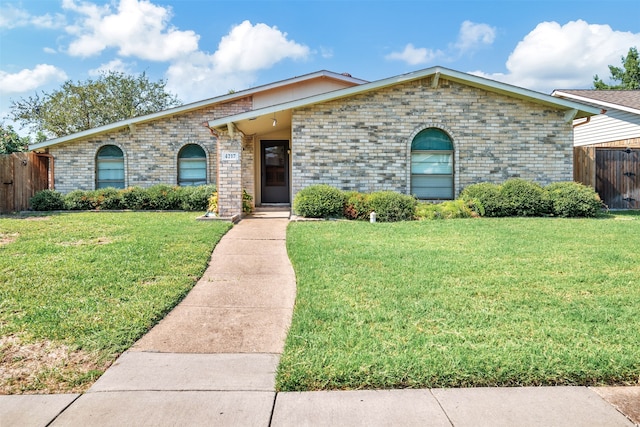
(624, 98)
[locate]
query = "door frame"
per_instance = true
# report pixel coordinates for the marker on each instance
(285, 196)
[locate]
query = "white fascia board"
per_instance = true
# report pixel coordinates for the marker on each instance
(193, 106)
(605, 105)
(468, 79)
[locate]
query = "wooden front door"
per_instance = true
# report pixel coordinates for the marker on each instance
(274, 156)
(618, 177)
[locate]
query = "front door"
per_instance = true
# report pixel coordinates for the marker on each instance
(274, 156)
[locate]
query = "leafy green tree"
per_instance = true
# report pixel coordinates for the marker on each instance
(628, 75)
(10, 141)
(83, 105)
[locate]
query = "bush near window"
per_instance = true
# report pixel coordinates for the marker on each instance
(516, 197)
(486, 195)
(47, 200)
(357, 206)
(451, 209)
(524, 198)
(319, 201)
(158, 197)
(391, 206)
(572, 199)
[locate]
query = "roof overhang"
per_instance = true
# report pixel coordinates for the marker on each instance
(130, 123)
(573, 110)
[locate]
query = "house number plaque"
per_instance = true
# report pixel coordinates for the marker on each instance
(227, 156)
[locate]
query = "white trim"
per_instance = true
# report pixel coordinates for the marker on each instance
(193, 106)
(468, 79)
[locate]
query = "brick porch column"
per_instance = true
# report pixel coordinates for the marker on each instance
(229, 183)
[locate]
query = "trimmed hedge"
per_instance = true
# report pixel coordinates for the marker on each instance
(515, 197)
(390, 206)
(572, 199)
(157, 197)
(319, 201)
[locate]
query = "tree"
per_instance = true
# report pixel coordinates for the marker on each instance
(83, 105)
(10, 141)
(628, 76)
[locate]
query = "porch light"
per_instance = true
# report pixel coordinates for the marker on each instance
(275, 122)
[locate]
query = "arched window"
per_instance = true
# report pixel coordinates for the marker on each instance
(110, 167)
(192, 165)
(432, 165)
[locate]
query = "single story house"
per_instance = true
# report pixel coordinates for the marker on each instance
(607, 146)
(428, 133)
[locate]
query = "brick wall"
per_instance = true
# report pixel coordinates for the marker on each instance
(363, 143)
(150, 149)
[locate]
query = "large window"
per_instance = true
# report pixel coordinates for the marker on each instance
(432, 165)
(110, 167)
(192, 165)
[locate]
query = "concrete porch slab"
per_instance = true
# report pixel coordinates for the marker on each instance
(528, 406)
(184, 372)
(358, 408)
(158, 409)
(189, 329)
(32, 410)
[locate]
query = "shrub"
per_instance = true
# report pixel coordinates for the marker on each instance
(356, 206)
(319, 201)
(447, 210)
(163, 197)
(572, 199)
(247, 206)
(108, 198)
(47, 200)
(391, 206)
(195, 198)
(524, 198)
(80, 200)
(135, 198)
(487, 197)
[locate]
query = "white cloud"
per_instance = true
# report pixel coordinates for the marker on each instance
(27, 80)
(241, 53)
(116, 65)
(555, 56)
(14, 17)
(137, 28)
(49, 50)
(414, 56)
(474, 35)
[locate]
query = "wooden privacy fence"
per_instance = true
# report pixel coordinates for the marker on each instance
(21, 176)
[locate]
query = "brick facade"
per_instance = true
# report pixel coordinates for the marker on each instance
(363, 142)
(150, 149)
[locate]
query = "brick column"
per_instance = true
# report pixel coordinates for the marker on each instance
(229, 182)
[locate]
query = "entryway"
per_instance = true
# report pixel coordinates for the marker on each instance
(274, 160)
(618, 177)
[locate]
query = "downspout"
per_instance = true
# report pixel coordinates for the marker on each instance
(588, 119)
(51, 169)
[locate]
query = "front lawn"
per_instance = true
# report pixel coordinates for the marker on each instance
(459, 303)
(78, 289)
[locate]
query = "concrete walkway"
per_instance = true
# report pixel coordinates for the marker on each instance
(212, 361)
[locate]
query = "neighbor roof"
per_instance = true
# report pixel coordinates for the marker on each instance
(627, 100)
(197, 105)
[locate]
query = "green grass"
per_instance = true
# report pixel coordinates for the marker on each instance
(98, 281)
(469, 302)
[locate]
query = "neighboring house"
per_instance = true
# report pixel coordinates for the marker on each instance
(429, 133)
(607, 146)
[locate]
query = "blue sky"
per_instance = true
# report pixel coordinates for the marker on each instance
(204, 48)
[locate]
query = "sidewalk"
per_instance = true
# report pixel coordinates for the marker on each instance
(212, 361)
